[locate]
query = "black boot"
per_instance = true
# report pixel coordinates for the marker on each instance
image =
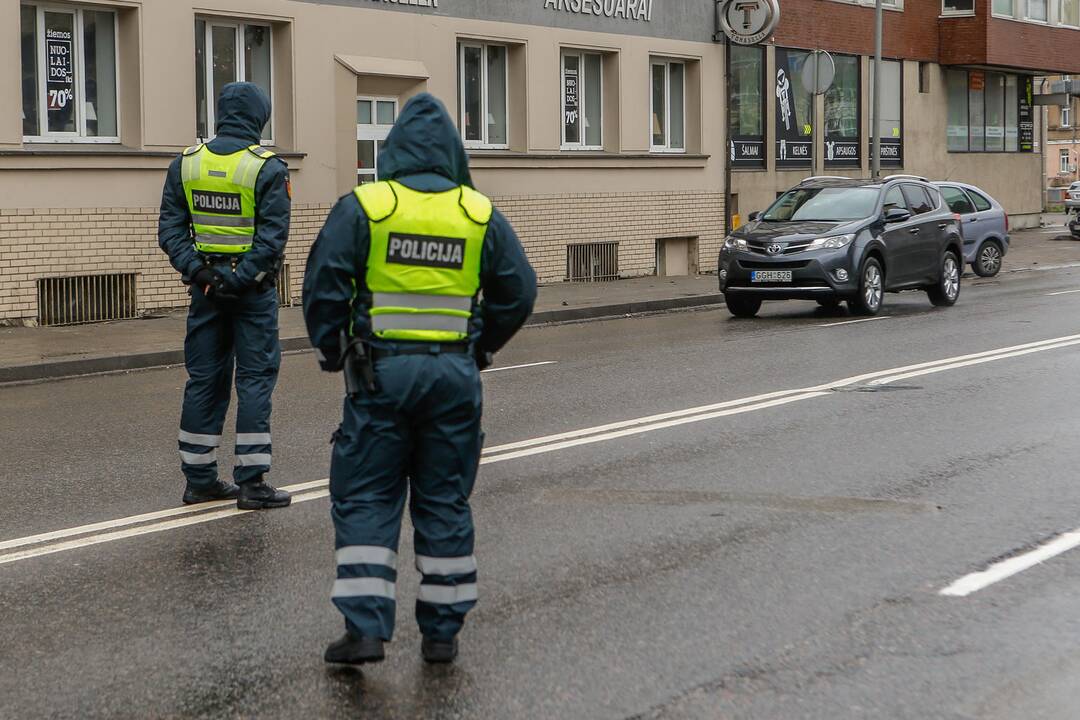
(438, 651)
(220, 490)
(261, 495)
(351, 650)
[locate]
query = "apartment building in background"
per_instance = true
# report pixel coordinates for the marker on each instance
(597, 126)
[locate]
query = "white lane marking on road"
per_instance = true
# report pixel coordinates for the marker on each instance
(1063, 292)
(855, 322)
(138, 519)
(537, 446)
(144, 530)
(521, 367)
(1007, 568)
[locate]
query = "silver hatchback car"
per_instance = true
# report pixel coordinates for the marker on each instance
(985, 225)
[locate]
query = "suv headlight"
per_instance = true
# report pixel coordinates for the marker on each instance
(734, 243)
(832, 243)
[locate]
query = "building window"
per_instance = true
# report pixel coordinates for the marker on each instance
(1066, 116)
(794, 120)
(582, 100)
(958, 7)
(1069, 12)
(374, 119)
(1064, 165)
(483, 95)
(842, 122)
(69, 81)
(227, 52)
(668, 106)
(890, 125)
(1037, 10)
(746, 106)
(1004, 7)
(988, 112)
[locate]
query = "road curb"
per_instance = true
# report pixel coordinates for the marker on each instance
(57, 369)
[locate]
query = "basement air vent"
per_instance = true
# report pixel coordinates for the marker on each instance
(284, 287)
(592, 262)
(86, 299)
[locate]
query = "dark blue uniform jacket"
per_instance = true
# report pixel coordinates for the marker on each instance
(243, 110)
(423, 152)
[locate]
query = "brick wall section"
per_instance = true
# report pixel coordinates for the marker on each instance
(849, 28)
(92, 241)
(546, 225)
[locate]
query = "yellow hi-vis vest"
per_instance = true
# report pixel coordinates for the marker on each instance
(423, 266)
(220, 192)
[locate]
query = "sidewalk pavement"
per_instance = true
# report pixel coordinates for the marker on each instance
(157, 340)
(53, 352)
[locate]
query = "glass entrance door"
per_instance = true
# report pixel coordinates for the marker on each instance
(374, 118)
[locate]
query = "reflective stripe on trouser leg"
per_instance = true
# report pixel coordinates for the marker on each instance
(368, 491)
(258, 358)
(209, 361)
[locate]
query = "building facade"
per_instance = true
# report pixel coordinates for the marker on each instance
(597, 126)
(1062, 144)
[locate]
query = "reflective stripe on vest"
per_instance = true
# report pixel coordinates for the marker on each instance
(220, 193)
(424, 262)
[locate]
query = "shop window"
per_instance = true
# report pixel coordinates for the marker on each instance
(1037, 10)
(794, 117)
(988, 112)
(958, 7)
(1069, 12)
(483, 95)
(842, 123)
(582, 100)
(228, 52)
(374, 118)
(69, 74)
(668, 106)
(890, 124)
(746, 106)
(1004, 8)
(1064, 164)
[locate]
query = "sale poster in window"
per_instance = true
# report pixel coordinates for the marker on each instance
(60, 65)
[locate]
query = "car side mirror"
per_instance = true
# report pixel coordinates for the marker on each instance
(897, 215)
(753, 216)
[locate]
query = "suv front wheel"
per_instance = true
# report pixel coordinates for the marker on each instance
(871, 289)
(946, 291)
(742, 306)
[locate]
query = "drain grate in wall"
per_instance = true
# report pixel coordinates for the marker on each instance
(592, 262)
(284, 286)
(86, 299)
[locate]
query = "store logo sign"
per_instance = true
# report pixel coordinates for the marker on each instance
(748, 22)
(640, 10)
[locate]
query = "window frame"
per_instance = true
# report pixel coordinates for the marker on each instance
(238, 26)
(375, 132)
(79, 67)
(581, 54)
(1065, 119)
(1027, 13)
(1064, 161)
(1061, 15)
(966, 73)
(667, 63)
(483, 143)
(957, 13)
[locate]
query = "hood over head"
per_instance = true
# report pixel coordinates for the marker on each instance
(424, 140)
(243, 109)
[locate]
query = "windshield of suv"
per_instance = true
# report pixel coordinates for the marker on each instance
(824, 204)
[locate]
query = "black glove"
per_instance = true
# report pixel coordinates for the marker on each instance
(484, 359)
(208, 280)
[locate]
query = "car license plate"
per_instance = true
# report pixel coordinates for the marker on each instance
(766, 276)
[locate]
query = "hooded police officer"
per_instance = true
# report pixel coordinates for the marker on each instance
(424, 281)
(224, 224)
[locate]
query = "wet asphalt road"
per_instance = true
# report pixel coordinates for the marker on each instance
(783, 562)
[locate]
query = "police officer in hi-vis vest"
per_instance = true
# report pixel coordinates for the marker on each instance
(224, 224)
(412, 285)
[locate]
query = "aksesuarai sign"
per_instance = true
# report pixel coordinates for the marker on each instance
(640, 10)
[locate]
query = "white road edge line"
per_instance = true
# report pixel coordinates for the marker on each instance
(521, 367)
(1063, 292)
(1007, 568)
(551, 443)
(855, 322)
(143, 530)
